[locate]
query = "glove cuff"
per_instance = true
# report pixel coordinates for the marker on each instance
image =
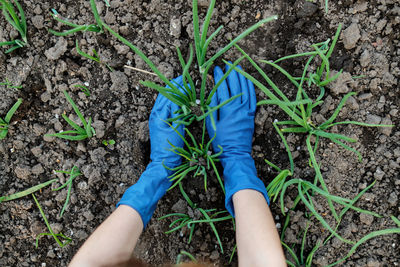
(240, 173)
(145, 194)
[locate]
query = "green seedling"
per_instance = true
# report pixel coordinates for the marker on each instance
(78, 133)
(182, 254)
(197, 159)
(73, 173)
(26, 192)
(192, 106)
(4, 124)
(108, 142)
(83, 88)
(9, 85)
(107, 3)
(51, 232)
(95, 56)
(198, 215)
(78, 28)
(18, 21)
(300, 110)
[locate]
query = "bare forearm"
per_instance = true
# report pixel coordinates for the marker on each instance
(113, 241)
(257, 238)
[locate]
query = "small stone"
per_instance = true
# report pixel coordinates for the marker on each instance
(57, 227)
(351, 35)
(180, 206)
(393, 199)
(37, 21)
(366, 218)
(386, 130)
(305, 9)
(143, 131)
(37, 169)
(373, 119)
(22, 171)
(365, 59)
(378, 175)
(99, 127)
(214, 255)
(58, 50)
(339, 86)
(175, 28)
(352, 103)
(119, 81)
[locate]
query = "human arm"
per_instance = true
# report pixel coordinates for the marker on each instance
(246, 196)
(258, 242)
(115, 239)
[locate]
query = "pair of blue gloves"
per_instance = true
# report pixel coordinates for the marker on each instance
(234, 133)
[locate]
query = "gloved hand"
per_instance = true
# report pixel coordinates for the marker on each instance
(153, 183)
(234, 132)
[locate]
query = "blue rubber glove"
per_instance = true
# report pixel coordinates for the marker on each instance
(153, 184)
(234, 132)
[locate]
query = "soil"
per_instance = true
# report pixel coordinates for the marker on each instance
(120, 108)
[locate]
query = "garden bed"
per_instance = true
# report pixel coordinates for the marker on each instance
(368, 51)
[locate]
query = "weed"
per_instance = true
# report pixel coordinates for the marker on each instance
(4, 124)
(192, 106)
(83, 88)
(73, 173)
(9, 85)
(78, 28)
(195, 216)
(197, 158)
(182, 254)
(17, 21)
(95, 56)
(78, 133)
(51, 232)
(108, 142)
(26, 192)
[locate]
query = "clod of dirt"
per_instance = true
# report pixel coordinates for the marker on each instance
(340, 85)
(119, 81)
(305, 9)
(351, 35)
(58, 50)
(180, 206)
(23, 171)
(175, 28)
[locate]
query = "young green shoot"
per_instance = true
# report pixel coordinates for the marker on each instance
(98, 27)
(95, 56)
(108, 142)
(197, 159)
(73, 173)
(195, 216)
(182, 254)
(83, 88)
(78, 133)
(26, 192)
(18, 21)
(5, 123)
(9, 85)
(51, 232)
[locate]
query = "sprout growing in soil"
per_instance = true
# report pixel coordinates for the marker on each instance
(9, 85)
(17, 21)
(4, 124)
(78, 133)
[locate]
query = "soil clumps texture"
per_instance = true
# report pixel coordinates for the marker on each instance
(368, 51)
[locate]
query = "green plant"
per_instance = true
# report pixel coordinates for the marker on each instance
(108, 142)
(198, 215)
(197, 158)
(18, 21)
(9, 85)
(26, 192)
(83, 88)
(95, 56)
(73, 173)
(300, 110)
(182, 254)
(78, 133)
(4, 124)
(193, 106)
(51, 232)
(78, 28)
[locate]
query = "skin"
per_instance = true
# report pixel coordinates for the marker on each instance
(257, 238)
(258, 242)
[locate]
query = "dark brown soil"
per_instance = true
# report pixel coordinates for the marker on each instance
(120, 108)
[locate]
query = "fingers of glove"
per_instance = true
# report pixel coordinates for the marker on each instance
(222, 92)
(245, 88)
(160, 103)
(173, 114)
(233, 83)
(252, 96)
(178, 82)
